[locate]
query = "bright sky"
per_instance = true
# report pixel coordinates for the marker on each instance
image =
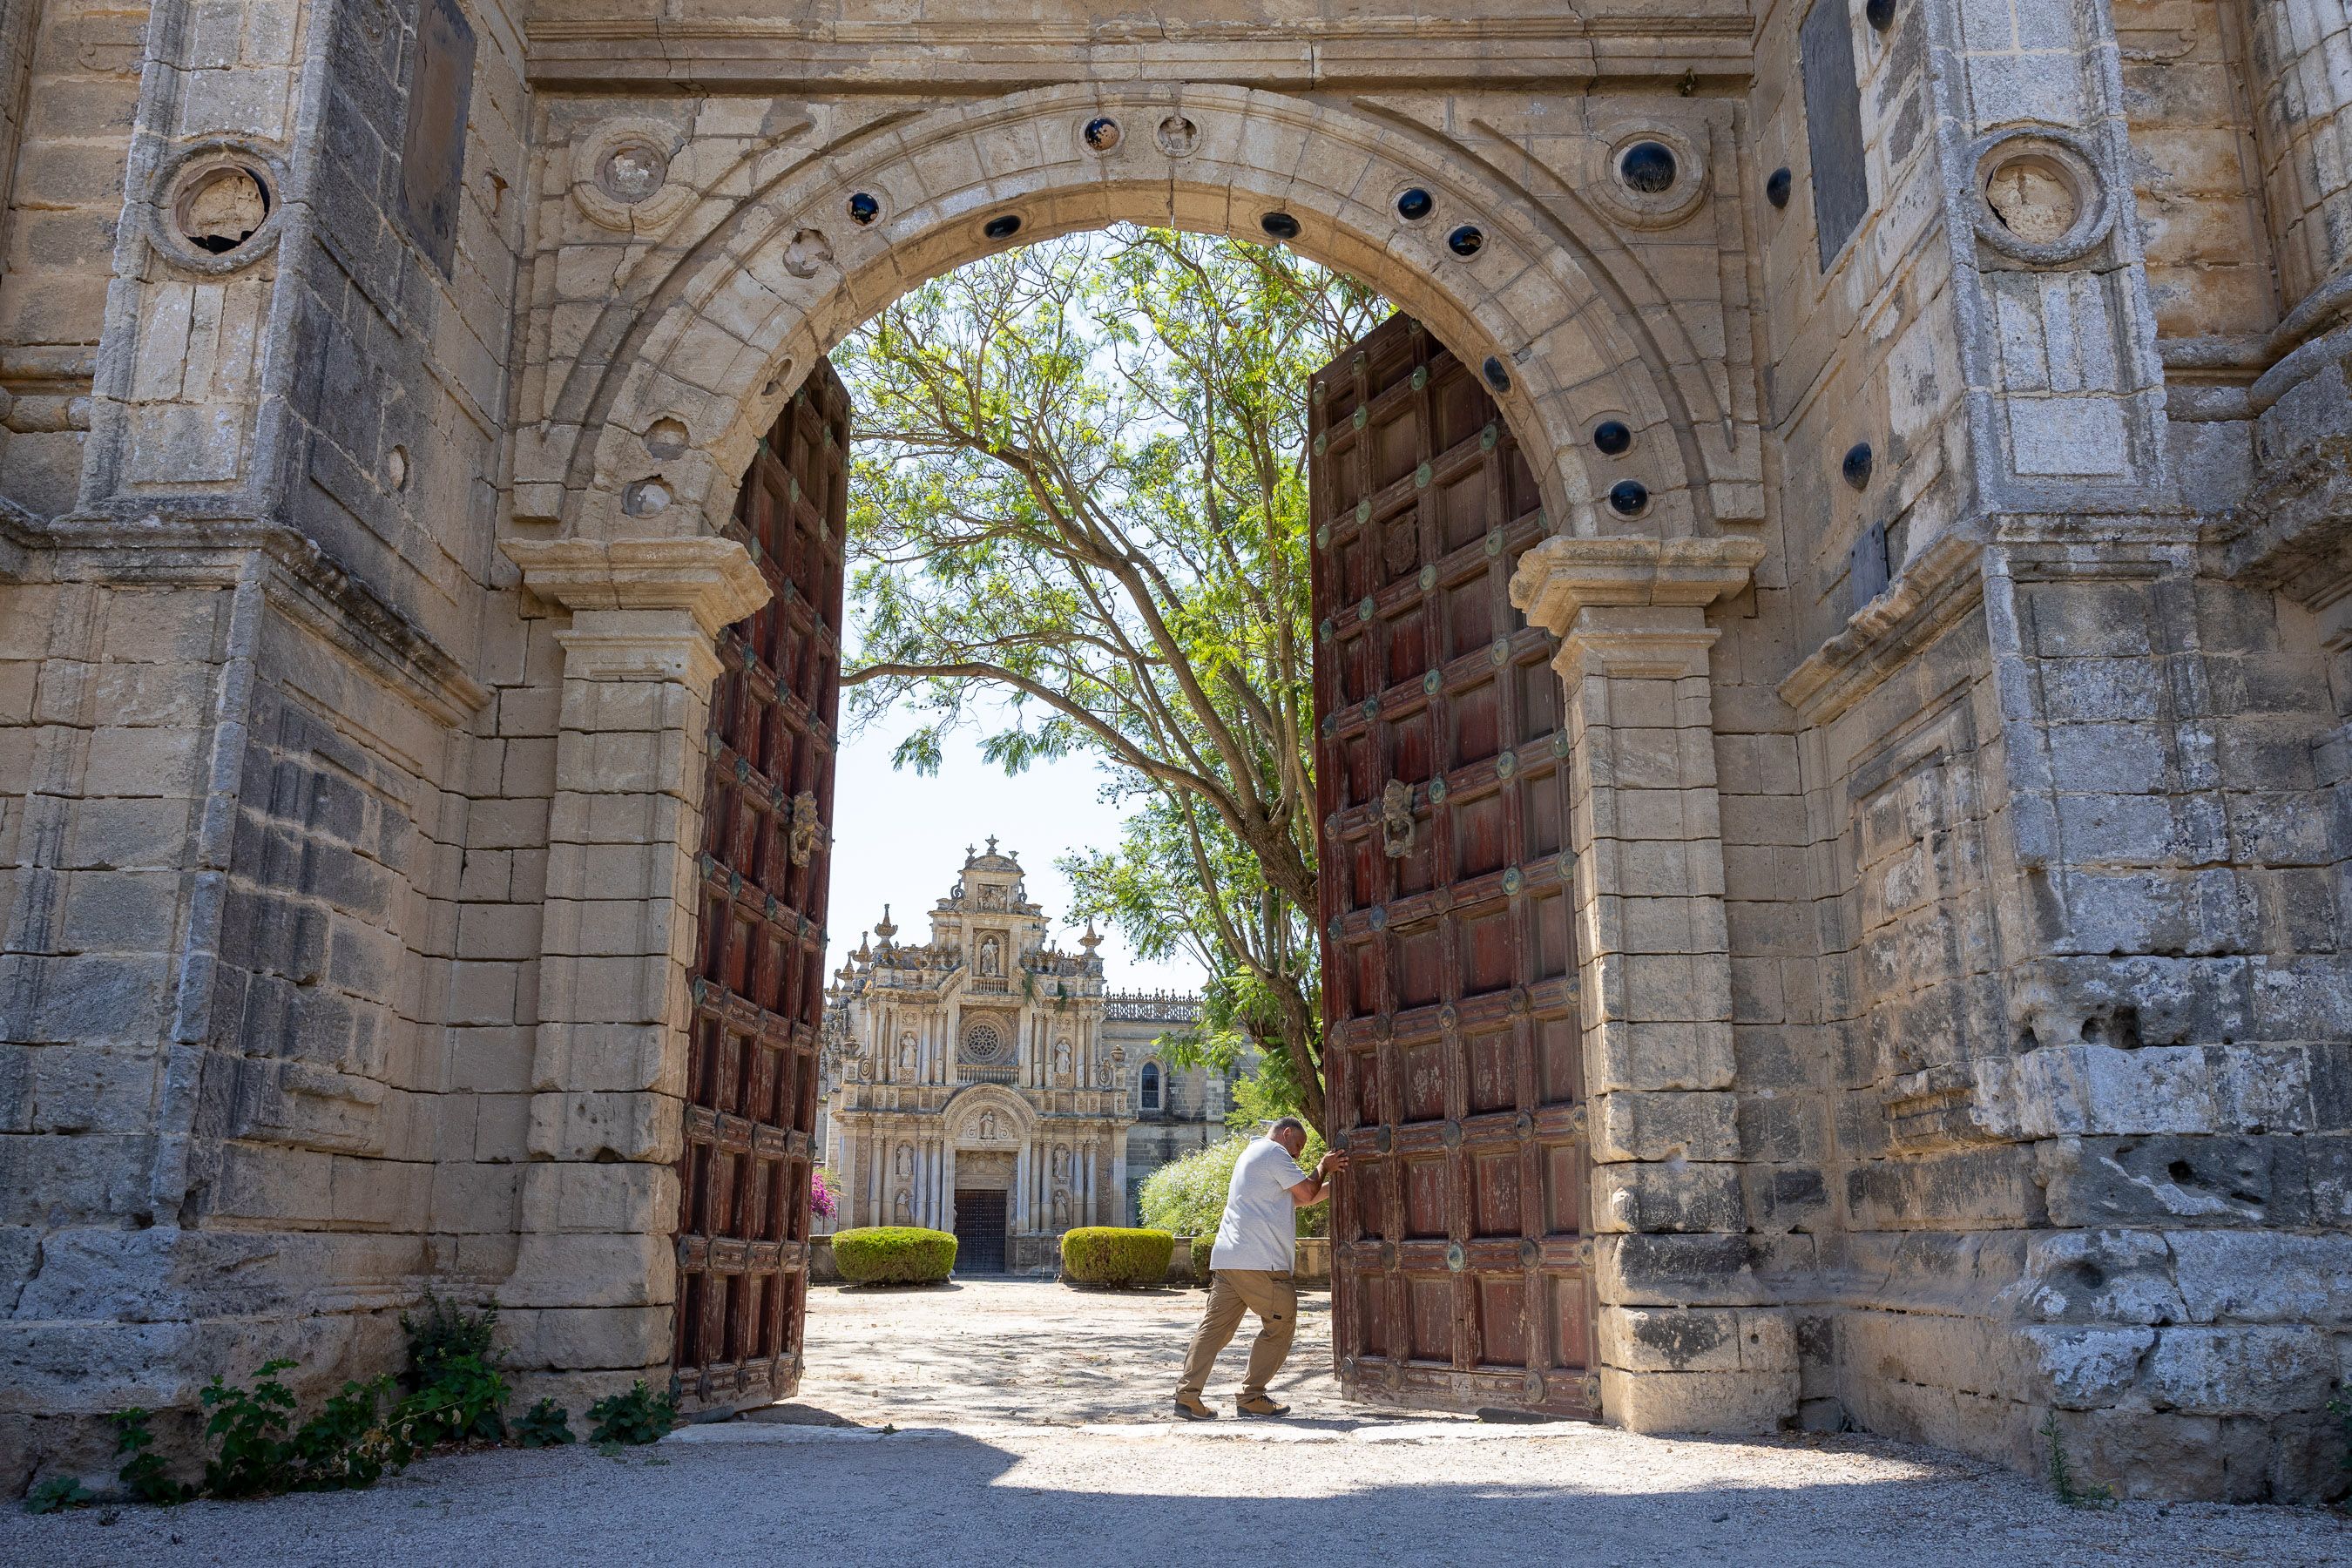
(899, 838)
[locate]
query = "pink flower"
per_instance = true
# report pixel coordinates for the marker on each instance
(821, 1200)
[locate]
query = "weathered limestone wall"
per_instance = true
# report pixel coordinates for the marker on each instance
(1961, 829)
(247, 617)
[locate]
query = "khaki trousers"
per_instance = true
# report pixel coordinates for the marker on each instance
(1232, 1292)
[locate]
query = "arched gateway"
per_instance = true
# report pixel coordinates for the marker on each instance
(1830, 663)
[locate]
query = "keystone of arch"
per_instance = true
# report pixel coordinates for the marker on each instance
(725, 332)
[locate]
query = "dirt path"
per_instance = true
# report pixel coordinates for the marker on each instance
(1028, 1430)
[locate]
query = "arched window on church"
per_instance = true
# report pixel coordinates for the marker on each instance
(1150, 1083)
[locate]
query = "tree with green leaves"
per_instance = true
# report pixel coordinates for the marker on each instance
(1079, 506)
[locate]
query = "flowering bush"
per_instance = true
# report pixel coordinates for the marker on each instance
(822, 1203)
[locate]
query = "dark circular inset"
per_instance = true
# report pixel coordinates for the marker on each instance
(1857, 465)
(1004, 226)
(1627, 497)
(1467, 240)
(1281, 225)
(1415, 205)
(1880, 14)
(1648, 167)
(863, 209)
(1498, 376)
(1776, 186)
(1102, 133)
(1611, 439)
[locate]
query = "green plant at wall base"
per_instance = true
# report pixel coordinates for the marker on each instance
(456, 1392)
(2061, 1474)
(894, 1254)
(1114, 1255)
(58, 1492)
(249, 1425)
(636, 1417)
(142, 1473)
(462, 1401)
(545, 1425)
(352, 1440)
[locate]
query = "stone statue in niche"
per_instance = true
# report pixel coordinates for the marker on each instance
(1061, 1162)
(989, 959)
(988, 1126)
(1061, 1209)
(907, 1054)
(992, 897)
(904, 1166)
(1062, 1057)
(904, 1207)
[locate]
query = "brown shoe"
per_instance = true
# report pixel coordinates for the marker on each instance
(1190, 1408)
(1259, 1405)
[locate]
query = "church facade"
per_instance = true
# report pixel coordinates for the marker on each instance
(987, 1083)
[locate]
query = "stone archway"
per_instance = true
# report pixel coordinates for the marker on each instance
(740, 295)
(708, 333)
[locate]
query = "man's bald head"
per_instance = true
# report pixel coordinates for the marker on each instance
(1291, 1133)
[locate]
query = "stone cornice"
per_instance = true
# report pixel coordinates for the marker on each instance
(712, 579)
(1564, 576)
(1929, 595)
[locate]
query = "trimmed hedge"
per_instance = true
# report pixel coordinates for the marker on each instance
(1201, 1246)
(1110, 1255)
(894, 1254)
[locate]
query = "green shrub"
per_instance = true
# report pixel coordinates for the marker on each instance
(1112, 1255)
(1187, 1196)
(350, 1443)
(894, 1254)
(1201, 1246)
(545, 1425)
(456, 1392)
(59, 1492)
(636, 1416)
(143, 1474)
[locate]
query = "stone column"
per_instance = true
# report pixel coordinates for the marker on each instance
(595, 1286)
(2300, 67)
(1687, 1343)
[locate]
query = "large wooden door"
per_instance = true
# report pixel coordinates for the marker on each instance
(1461, 1274)
(758, 987)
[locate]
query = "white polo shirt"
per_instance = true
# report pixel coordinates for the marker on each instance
(1260, 1229)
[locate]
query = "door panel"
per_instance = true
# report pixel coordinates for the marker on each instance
(1460, 1268)
(758, 987)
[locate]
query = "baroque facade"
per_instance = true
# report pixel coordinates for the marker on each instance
(986, 1083)
(1937, 412)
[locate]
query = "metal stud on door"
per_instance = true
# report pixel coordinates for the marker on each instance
(758, 987)
(1460, 1277)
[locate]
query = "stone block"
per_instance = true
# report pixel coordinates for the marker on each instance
(2263, 1276)
(588, 1339)
(1718, 1404)
(2116, 1277)
(1672, 1196)
(2173, 1181)
(1631, 1125)
(1678, 1339)
(571, 1270)
(2240, 1370)
(1646, 1056)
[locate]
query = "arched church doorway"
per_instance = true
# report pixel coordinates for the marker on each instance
(1450, 1046)
(1463, 1271)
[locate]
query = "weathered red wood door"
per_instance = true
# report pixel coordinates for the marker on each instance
(1461, 1277)
(759, 990)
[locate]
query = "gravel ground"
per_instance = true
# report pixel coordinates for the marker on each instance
(1088, 1474)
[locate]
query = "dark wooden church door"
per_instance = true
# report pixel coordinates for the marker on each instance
(758, 987)
(1461, 1274)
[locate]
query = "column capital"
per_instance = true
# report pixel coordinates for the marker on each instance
(712, 579)
(1564, 576)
